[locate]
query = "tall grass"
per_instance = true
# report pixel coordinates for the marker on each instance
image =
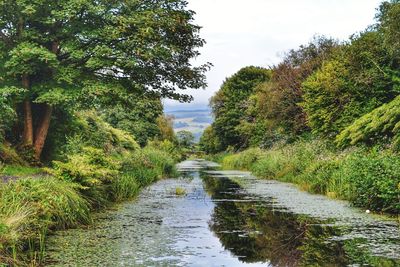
(29, 207)
(367, 177)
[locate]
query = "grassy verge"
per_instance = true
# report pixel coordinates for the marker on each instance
(368, 178)
(89, 180)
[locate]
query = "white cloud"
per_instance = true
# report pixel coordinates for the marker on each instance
(255, 32)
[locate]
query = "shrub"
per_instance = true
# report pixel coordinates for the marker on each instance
(9, 156)
(92, 167)
(374, 180)
(317, 178)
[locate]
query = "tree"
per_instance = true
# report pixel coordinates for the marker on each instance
(389, 24)
(357, 79)
(60, 50)
(137, 115)
(185, 139)
(166, 127)
(229, 103)
(273, 110)
(209, 141)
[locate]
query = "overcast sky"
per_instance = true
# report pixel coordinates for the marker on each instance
(240, 33)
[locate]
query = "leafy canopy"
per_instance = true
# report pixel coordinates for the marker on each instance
(229, 102)
(68, 46)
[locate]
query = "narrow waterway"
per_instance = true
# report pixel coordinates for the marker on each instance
(228, 218)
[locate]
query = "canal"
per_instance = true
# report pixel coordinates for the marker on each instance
(209, 217)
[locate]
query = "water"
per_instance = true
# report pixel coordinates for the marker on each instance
(228, 219)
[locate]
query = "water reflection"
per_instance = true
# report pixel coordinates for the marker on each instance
(252, 229)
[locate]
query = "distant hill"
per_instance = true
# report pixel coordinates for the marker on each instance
(195, 120)
(179, 124)
(203, 119)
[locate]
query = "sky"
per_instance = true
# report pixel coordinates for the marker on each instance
(241, 33)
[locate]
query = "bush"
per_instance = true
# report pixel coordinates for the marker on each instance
(374, 180)
(149, 165)
(8, 114)
(92, 167)
(9, 156)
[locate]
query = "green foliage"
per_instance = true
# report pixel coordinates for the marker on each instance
(40, 38)
(209, 141)
(125, 187)
(185, 139)
(323, 86)
(88, 129)
(165, 125)
(228, 104)
(8, 155)
(374, 180)
(8, 115)
(119, 58)
(389, 17)
(138, 116)
(97, 133)
(168, 147)
(272, 111)
(91, 167)
(30, 58)
(373, 127)
(325, 98)
(358, 80)
(29, 207)
(368, 178)
(242, 160)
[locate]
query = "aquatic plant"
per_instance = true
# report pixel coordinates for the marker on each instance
(179, 191)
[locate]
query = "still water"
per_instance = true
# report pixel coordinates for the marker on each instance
(228, 218)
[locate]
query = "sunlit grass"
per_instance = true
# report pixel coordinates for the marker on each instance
(15, 170)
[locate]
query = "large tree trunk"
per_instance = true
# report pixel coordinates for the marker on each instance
(44, 123)
(42, 130)
(28, 121)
